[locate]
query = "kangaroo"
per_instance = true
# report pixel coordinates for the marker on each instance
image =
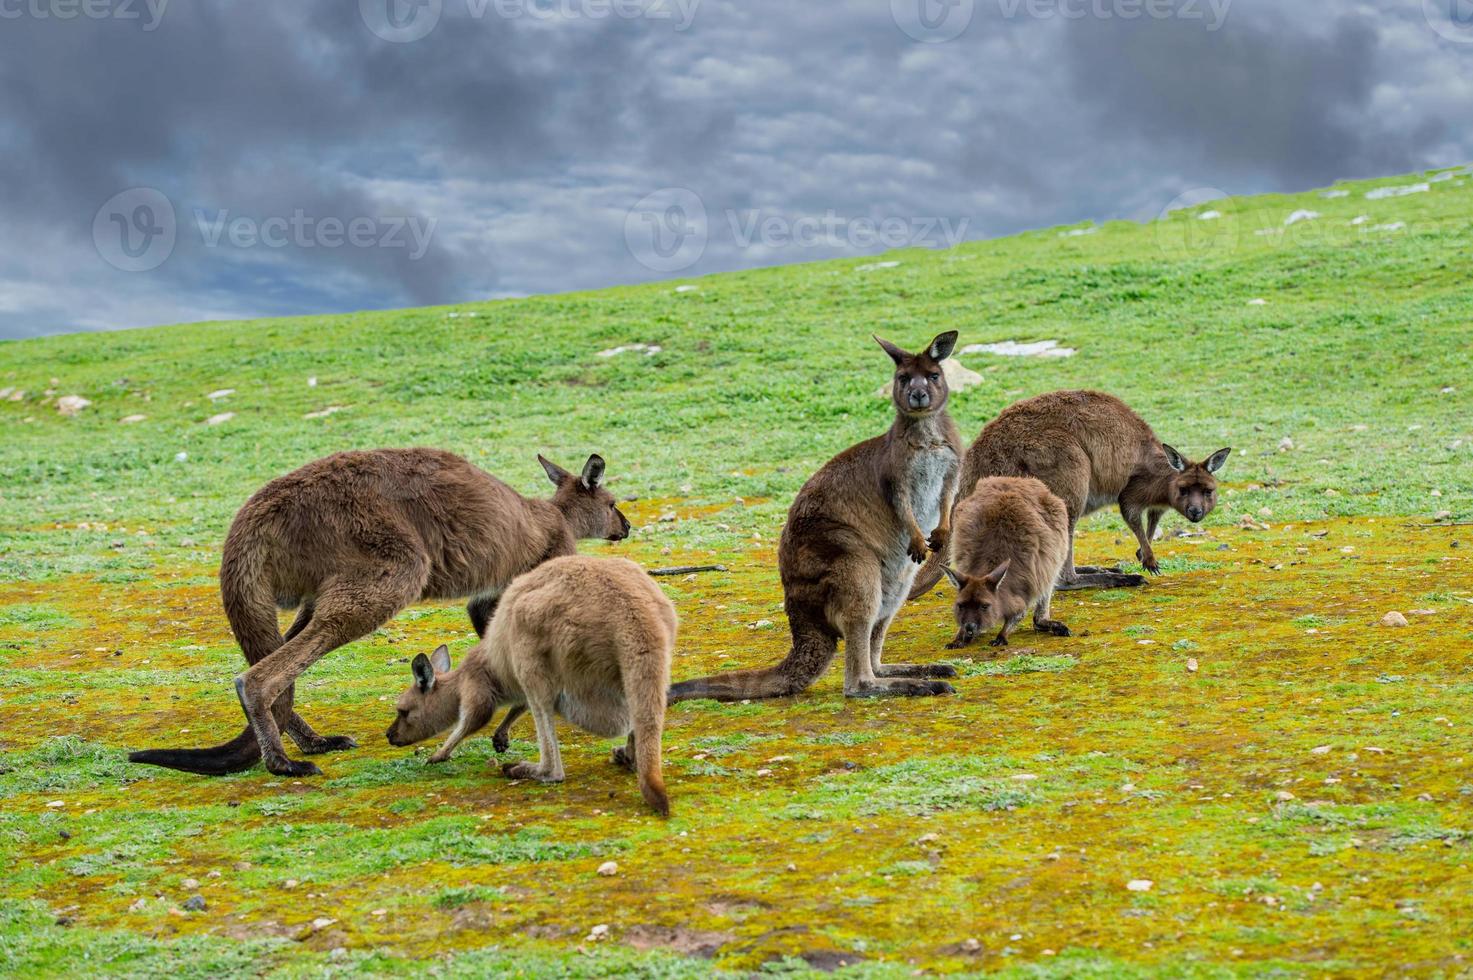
(587, 638)
(1009, 543)
(1091, 451)
(351, 539)
(854, 537)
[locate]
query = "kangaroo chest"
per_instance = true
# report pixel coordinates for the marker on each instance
(925, 475)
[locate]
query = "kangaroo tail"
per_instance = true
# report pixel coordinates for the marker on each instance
(814, 644)
(645, 682)
(928, 576)
(251, 609)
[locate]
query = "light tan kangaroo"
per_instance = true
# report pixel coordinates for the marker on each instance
(586, 638)
(1010, 541)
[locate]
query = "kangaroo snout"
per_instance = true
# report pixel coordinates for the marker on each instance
(1195, 514)
(622, 531)
(918, 398)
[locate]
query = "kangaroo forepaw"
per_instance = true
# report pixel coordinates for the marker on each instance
(1052, 626)
(998, 641)
(500, 742)
(623, 759)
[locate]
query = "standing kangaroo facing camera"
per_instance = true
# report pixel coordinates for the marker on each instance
(854, 537)
(352, 539)
(1009, 545)
(1091, 451)
(586, 638)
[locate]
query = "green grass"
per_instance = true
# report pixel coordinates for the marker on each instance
(1238, 731)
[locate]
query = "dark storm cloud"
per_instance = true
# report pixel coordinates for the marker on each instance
(523, 138)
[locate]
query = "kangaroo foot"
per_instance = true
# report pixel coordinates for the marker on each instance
(1100, 580)
(500, 742)
(1052, 626)
(527, 770)
(1097, 569)
(329, 743)
(623, 758)
(915, 670)
(998, 641)
(291, 767)
(900, 688)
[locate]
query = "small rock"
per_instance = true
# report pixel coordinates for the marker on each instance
(289, 883)
(56, 804)
(598, 932)
(1286, 444)
(222, 393)
(971, 945)
(1320, 750)
(1140, 885)
(139, 905)
(195, 903)
(189, 884)
(1192, 665)
(242, 865)
(322, 923)
(667, 517)
(180, 457)
(608, 869)
(130, 419)
(71, 404)
(1394, 620)
(218, 419)
(1443, 515)
(1284, 796)
(312, 382)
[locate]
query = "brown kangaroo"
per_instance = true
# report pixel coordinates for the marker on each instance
(854, 536)
(352, 539)
(1009, 544)
(586, 638)
(1091, 451)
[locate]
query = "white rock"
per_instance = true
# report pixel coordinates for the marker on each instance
(1078, 232)
(1299, 216)
(1332, 195)
(323, 922)
(1258, 302)
(217, 419)
(1140, 885)
(649, 350)
(1381, 193)
(1284, 796)
(180, 457)
(71, 404)
(56, 804)
(1013, 348)
(130, 419)
(222, 393)
(1286, 444)
(1192, 664)
(312, 382)
(324, 413)
(608, 869)
(599, 931)
(1360, 219)
(189, 884)
(872, 266)
(685, 289)
(1209, 216)
(1394, 620)
(1394, 226)
(1320, 750)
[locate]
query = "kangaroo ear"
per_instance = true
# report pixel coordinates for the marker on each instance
(593, 472)
(942, 346)
(896, 354)
(440, 659)
(1174, 459)
(424, 674)
(554, 472)
(995, 577)
(957, 578)
(1215, 461)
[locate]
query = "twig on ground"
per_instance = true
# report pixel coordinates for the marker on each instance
(1442, 524)
(687, 569)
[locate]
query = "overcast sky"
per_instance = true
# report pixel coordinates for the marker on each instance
(204, 159)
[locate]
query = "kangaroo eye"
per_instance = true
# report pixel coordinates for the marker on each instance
(934, 376)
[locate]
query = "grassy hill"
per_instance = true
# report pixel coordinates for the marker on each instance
(1334, 356)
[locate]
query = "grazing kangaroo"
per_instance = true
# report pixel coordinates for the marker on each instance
(586, 638)
(1010, 541)
(352, 539)
(855, 534)
(1091, 451)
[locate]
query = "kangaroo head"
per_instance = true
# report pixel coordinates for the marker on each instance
(980, 605)
(589, 509)
(920, 384)
(431, 705)
(1193, 487)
